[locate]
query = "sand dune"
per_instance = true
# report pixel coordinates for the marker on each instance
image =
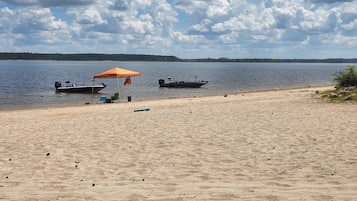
(274, 145)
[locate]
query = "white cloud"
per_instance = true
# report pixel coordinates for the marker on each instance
(203, 26)
(50, 3)
(218, 8)
(188, 39)
(330, 1)
(229, 38)
(138, 27)
(88, 16)
(34, 26)
(154, 26)
(197, 7)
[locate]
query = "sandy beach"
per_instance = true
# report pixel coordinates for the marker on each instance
(273, 145)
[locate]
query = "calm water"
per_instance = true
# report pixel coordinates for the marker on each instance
(29, 84)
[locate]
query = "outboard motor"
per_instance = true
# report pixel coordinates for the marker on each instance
(58, 84)
(161, 82)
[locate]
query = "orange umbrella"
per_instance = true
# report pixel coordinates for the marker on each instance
(117, 73)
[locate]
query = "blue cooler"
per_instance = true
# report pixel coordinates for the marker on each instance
(103, 99)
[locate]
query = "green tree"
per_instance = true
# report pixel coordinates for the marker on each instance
(347, 77)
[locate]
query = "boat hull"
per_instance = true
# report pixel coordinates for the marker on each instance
(72, 88)
(80, 89)
(182, 84)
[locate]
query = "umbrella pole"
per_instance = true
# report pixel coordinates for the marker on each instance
(92, 86)
(92, 90)
(118, 86)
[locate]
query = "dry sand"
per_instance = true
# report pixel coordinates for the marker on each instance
(274, 145)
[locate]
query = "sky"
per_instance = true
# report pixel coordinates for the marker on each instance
(280, 29)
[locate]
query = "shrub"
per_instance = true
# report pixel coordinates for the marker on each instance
(346, 78)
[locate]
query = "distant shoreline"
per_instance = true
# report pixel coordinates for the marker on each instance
(163, 58)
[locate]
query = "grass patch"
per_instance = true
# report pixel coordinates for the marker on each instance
(346, 86)
(340, 95)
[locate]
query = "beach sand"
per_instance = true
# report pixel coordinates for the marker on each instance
(273, 145)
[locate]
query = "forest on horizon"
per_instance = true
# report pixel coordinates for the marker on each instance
(144, 57)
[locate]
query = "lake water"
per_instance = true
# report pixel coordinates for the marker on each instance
(30, 84)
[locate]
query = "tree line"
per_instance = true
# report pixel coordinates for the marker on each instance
(144, 57)
(86, 57)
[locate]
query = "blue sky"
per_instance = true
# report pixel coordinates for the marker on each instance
(183, 28)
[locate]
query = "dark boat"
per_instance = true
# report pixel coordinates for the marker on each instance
(73, 88)
(182, 84)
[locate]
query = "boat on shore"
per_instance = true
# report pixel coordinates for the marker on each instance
(182, 84)
(73, 88)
